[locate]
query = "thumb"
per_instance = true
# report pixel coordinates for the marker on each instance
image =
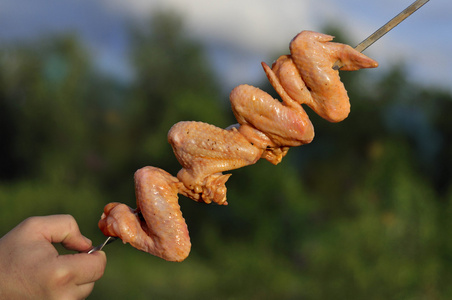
(86, 267)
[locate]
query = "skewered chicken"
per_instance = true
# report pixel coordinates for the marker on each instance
(266, 128)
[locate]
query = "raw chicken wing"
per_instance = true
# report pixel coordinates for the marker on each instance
(266, 129)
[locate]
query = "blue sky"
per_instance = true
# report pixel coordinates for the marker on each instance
(239, 34)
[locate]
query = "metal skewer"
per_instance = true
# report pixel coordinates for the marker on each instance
(386, 28)
(109, 240)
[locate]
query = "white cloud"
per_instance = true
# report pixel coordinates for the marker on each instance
(257, 25)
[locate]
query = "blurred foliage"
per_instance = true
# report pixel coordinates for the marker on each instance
(361, 213)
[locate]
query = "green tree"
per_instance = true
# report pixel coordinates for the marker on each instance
(45, 92)
(173, 83)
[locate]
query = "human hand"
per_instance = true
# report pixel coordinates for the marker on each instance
(31, 267)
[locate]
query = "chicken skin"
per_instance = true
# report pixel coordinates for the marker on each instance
(266, 129)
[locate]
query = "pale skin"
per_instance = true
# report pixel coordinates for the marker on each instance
(266, 129)
(32, 268)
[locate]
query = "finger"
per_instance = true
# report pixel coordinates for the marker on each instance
(74, 291)
(64, 229)
(86, 267)
(84, 290)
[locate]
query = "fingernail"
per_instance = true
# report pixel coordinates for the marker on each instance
(87, 240)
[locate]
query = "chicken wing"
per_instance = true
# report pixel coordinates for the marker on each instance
(266, 129)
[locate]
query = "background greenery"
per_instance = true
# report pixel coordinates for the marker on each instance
(361, 213)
